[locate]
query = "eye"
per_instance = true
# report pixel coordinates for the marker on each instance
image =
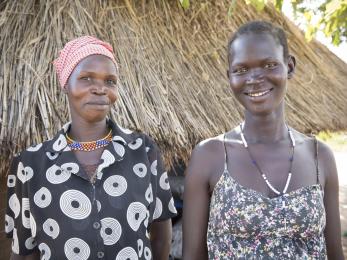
(111, 82)
(239, 71)
(270, 65)
(86, 78)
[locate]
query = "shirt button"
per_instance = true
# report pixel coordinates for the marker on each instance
(100, 254)
(96, 225)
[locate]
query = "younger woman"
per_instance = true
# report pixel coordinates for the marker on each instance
(262, 190)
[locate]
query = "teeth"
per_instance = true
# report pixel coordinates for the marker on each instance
(258, 94)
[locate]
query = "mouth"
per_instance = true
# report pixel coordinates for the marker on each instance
(98, 103)
(261, 93)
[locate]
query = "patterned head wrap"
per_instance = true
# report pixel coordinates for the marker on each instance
(76, 50)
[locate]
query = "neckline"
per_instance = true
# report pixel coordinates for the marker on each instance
(262, 173)
(258, 193)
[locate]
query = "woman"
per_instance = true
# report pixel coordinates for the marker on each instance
(96, 190)
(262, 190)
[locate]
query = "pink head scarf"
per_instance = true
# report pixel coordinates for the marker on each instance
(76, 50)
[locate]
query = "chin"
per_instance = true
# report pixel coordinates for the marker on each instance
(95, 117)
(263, 109)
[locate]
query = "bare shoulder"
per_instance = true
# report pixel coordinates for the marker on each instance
(206, 157)
(326, 160)
(209, 146)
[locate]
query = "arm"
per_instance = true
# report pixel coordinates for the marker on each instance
(17, 227)
(332, 231)
(160, 236)
(33, 256)
(196, 207)
(162, 208)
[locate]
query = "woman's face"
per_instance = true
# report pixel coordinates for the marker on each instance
(92, 88)
(258, 72)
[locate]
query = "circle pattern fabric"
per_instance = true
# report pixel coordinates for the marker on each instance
(11, 181)
(115, 185)
(135, 145)
(75, 204)
(53, 206)
(57, 175)
(24, 173)
(136, 213)
(43, 197)
(140, 169)
(45, 251)
(9, 223)
(111, 231)
(127, 253)
(51, 228)
(76, 249)
(30, 243)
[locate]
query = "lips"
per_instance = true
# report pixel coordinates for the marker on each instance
(98, 103)
(258, 93)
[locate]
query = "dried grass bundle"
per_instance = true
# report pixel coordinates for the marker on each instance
(173, 70)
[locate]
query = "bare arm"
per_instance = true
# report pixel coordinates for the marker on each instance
(33, 256)
(331, 202)
(161, 235)
(196, 206)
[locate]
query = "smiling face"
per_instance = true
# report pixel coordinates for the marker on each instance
(258, 72)
(92, 88)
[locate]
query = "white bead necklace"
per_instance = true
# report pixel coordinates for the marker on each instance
(263, 175)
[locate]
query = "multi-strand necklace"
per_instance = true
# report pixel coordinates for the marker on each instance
(263, 175)
(89, 146)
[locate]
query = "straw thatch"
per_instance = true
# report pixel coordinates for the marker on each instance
(173, 70)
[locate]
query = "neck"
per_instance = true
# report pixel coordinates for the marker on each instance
(265, 129)
(83, 131)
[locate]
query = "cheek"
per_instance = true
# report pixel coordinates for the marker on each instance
(236, 84)
(113, 95)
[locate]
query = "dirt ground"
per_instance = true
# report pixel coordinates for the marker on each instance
(341, 163)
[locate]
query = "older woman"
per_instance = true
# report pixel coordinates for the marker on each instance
(96, 190)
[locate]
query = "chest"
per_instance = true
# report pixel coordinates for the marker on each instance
(247, 166)
(247, 213)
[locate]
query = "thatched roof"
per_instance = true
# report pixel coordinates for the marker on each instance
(173, 70)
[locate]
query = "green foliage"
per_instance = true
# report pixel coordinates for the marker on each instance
(336, 140)
(258, 4)
(329, 16)
(231, 7)
(185, 4)
(332, 19)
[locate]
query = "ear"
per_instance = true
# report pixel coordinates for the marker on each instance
(291, 66)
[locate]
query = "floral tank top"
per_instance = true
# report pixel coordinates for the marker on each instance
(245, 224)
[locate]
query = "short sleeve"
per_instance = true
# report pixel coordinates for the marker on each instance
(18, 219)
(163, 202)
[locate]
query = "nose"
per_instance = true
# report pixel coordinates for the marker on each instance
(99, 87)
(255, 76)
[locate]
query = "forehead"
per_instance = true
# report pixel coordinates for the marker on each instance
(96, 64)
(255, 46)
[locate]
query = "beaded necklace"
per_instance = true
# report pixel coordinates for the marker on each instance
(89, 146)
(263, 175)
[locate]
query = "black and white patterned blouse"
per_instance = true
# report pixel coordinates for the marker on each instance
(52, 204)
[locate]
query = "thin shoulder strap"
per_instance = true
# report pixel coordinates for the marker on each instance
(316, 158)
(225, 154)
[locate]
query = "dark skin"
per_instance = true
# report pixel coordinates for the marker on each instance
(91, 91)
(258, 76)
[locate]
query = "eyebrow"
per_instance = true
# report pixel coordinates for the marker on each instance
(242, 63)
(94, 73)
